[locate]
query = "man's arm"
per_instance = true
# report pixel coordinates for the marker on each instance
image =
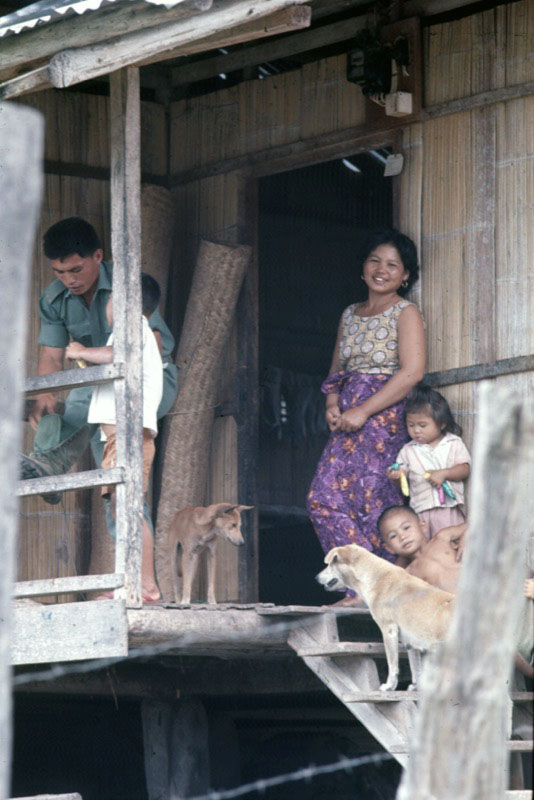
(50, 360)
(93, 355)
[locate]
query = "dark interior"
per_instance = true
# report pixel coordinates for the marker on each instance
(312, 223)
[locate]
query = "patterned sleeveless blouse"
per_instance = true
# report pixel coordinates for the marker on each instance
(369, 344)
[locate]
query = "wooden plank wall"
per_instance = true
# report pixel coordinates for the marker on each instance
(54, 541)
(465, 194)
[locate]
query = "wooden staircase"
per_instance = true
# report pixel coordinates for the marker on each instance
(350, 670)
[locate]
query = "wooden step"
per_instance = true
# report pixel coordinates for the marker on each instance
(301, 611)
(379, 697)
(346, 649)
(512, 745)
(392, 697)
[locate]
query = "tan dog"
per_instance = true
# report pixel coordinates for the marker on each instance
(195, 530)
(400, 604)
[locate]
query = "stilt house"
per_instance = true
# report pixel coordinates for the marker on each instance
(289, 127)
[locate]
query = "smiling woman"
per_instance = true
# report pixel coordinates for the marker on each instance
(379, 356)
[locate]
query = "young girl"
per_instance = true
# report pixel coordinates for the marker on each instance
(435, 461)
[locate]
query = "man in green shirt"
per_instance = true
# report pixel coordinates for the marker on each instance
(72, 308)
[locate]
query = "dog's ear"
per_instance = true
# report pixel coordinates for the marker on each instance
(331, 556)
(244, 508)
(207, 515)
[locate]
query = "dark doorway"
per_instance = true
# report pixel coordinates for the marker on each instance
(312, 222)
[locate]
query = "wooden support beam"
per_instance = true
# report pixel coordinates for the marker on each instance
(74, 583)
(477, 372)
(338, 144)
(125, 138)
(158, 43)
(71, 378)
(268, 51)
(70, 481)
(282, 21)
(21, 140)
(81, 30)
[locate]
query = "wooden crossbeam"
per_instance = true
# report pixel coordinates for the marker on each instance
(78, 30)
(73, 583)
(267, 51)
(76, 480)
(71, 378)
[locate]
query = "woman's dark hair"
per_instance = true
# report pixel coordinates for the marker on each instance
(69, 237)
(406, 248)
(150, 293)
(423, 398)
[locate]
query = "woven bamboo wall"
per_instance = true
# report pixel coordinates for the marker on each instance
(256, 115)
(56, 540)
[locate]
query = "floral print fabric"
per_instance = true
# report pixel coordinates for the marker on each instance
(350, 488)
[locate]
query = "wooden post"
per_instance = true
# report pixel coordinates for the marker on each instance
(21, 149)
(176, 749)
(125, 134)
(460, 749)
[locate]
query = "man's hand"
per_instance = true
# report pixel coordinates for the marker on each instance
(75, 350)
(44, 404)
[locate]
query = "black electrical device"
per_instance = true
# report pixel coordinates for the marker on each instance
(369, 63)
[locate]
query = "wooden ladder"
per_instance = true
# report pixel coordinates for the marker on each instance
(349, 670)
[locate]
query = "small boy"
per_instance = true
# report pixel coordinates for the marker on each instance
(437, 561)
(102, 412)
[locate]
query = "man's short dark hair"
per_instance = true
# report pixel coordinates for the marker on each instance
(70, 236)
(150, 293)
(387, 512)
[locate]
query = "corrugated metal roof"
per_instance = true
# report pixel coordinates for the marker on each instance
(46, 12)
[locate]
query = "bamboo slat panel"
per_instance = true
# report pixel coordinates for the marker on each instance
(328, 101)
(260, 114)
(77, 129)
(519, 27)
(270, 114)
(464, 57)
(515, 231)
(410, 195)
(445, 298)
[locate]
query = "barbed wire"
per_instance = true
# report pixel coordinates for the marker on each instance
(305, 774)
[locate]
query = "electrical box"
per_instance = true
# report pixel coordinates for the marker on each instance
(399, 104)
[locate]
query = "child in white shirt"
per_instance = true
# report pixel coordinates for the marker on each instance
(435, 456)
(102, 412)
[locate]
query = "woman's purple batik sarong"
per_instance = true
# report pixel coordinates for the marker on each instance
(350, 488)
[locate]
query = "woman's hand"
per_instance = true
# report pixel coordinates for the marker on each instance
(352, 420)
(332, 416)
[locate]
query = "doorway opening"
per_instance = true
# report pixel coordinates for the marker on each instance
(312, 222)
